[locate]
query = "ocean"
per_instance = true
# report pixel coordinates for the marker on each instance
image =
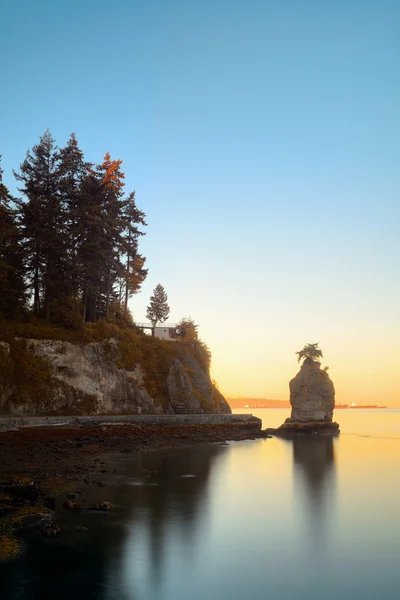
(315, 518)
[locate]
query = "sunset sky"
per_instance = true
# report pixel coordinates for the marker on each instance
(262, 139)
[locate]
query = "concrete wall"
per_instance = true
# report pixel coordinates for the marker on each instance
(8, 423)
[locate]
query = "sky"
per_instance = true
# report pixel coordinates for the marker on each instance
(262, 139)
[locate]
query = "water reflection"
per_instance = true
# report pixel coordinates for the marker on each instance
(160, 502)
(264, 519)
(169, 513)
(315, 484)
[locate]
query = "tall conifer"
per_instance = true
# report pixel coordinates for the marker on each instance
(134, 271)
(12, 286)
(73, 171)
(112, 183)
(42, 222)
(90, 251)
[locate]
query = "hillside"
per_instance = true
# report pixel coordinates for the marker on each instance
(105, 368)
(257, 403)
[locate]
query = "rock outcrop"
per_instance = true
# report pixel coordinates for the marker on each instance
(85, 379)
(312, 396)
(190, 392)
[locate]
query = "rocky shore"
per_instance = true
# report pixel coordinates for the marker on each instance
(40, 463)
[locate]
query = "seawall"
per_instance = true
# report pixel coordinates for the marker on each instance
(9, 423)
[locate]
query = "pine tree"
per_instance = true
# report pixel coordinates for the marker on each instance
(112, 183)
(12, 286)
(90, 254)
(158, 309)
(73, 171)
(79, 234)
(134, 272)
(42, 222)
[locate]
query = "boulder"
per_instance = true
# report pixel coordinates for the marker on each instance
(72, 505)
(103, 506)
(4, 348)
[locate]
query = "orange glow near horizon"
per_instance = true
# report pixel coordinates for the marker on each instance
(363, 380)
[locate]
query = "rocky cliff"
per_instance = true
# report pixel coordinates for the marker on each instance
(112, 376)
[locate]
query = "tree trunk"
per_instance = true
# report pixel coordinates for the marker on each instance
(108, 294)
(127, 285)
(36, 302)
(127, 274)
(47, 298)
(84, 306)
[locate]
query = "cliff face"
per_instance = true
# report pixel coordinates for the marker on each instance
(64, 378)
(312, 395)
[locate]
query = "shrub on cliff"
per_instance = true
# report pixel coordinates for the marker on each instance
(186, 330)
(310, 352)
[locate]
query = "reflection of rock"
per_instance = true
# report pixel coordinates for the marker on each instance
(314, 473)
(312, 396)
(316, 458)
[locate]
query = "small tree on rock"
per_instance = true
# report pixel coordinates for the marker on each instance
(186, 330)
(158, 309)
(310, 352)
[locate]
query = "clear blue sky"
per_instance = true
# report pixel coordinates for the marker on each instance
(262, 139)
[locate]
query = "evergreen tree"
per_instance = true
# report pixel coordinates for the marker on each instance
(73, 171)
(80, 236)
(186, 330)
(310, 352)
(112, 205)
(134, 272)
(158, 309)
(90, 251)
(12, 286)
(42, 223)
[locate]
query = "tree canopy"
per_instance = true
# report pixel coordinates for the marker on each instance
(12, 287)
(310, 351)
(72, 239)
(186, 329)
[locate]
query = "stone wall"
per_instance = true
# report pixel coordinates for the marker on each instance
(146, 420)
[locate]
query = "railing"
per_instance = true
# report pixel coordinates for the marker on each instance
(150, 326)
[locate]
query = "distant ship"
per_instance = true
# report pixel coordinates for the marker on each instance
(353, 405)
(341, 406)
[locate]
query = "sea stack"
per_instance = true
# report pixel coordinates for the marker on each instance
(312, 396)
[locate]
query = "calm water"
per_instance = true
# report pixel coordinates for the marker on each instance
(313, 519)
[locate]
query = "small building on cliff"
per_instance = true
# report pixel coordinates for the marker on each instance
(162, 332)
(165, 333)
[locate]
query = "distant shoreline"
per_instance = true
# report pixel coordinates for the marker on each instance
(235, 405)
